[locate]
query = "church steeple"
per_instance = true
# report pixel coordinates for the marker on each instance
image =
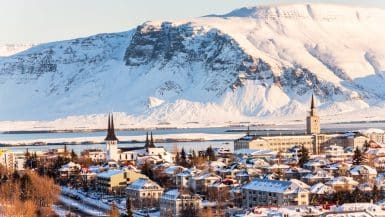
(313, 120)
(147, 144)
(152, 145)
(111, 129)
(313, 109)
(312, 106)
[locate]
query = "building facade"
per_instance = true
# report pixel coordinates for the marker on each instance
(173, 202)
(266, 192)
(313, 140)
(313, 120)
(144, 193)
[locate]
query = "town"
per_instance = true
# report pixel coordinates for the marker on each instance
(315, 174)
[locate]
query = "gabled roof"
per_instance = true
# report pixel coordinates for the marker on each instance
(276, 186)
(342, 180)
(144, 184)
(175, 194)
(361, 169)
(321, 188)
(109, 173)
(320, 174)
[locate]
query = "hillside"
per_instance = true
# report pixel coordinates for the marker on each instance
(252, 64)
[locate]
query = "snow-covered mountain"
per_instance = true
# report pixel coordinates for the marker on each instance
(11, 49)
(252, 63)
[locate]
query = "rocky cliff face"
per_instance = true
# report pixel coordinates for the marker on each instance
(252, 62)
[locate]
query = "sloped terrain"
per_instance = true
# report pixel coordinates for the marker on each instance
(252, 63)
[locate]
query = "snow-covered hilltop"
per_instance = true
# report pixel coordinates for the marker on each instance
(11, 49)
(251, 63)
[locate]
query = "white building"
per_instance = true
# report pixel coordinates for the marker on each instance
(144, 193)
(69, 170)
(266, 192)
(356, 209)
(172, 202)
(313, 140)
(337, 153)
(96, 155)
(7, 159)
(183, 178)
(131, 154)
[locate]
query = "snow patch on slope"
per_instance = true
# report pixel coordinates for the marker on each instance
(11, 49)
(251, 64)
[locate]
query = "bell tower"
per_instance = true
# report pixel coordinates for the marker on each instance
(313, 120)
(111, 140)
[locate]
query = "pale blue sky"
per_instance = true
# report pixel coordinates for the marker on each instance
(36, 21)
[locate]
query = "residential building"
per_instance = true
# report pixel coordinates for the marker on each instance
(7, 159)
(172, 203)
(183, 178)
(115, 180)
(319, 175)
(68, 170)
(335, 153)
(96, 155)
(342, 183)
(200, 182)
(266, 192)
(218, 191)
(111, 181)
(144, 193)
(363, 173)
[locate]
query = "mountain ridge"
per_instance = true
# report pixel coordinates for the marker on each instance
(208, 69)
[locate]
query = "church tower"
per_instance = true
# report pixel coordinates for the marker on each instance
(313, 121)
(111, 140)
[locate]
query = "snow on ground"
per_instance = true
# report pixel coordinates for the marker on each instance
(100, 139)
(62, 212)
(81, 207)
(125, 121)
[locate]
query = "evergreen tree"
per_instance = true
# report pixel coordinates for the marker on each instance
(183, 158)
(25, 188)
(146, 170)
(31, 161)
(303, 156)
(210, 153)
(15, 176)
(65, 151)
(129, 208)
(183, 154)
(177, 159)
(27, 154)
(357, 157)
(357, 195)
(366, 145)
(74, 156)
(189, 211)
(194, 158)
(375, 194)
